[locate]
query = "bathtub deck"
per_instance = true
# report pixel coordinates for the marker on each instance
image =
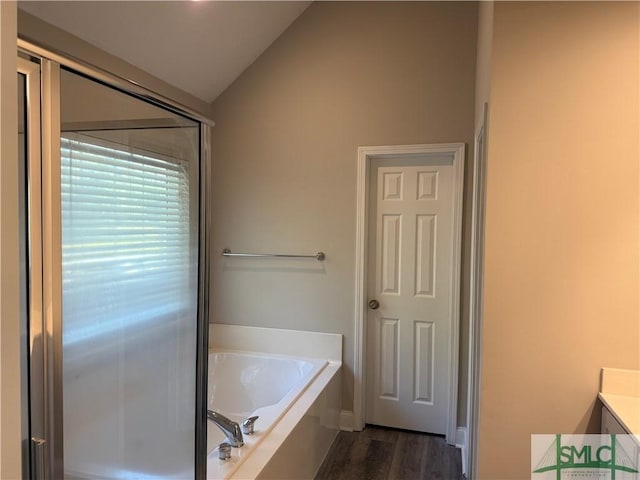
(380, 454)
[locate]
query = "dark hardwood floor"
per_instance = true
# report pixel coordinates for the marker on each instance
(379, 453)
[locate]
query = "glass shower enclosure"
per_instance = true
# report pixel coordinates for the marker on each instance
(116, 221)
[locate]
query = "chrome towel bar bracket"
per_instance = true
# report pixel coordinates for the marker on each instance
(227, 253)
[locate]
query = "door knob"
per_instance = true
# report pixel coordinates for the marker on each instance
(374, 304)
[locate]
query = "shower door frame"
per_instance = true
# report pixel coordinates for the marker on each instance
(31, 277)
(46, 450)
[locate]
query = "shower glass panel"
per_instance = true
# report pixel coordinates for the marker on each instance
(129, 189)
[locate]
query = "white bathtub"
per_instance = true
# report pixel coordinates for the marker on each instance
(243, 384)
(296, 398)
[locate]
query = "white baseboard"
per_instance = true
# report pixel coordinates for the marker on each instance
(346, 421)
(461, 443)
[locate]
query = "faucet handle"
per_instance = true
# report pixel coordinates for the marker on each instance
(248, 425)
(224, 451)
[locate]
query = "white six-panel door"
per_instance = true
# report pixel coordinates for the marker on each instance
(411, 232)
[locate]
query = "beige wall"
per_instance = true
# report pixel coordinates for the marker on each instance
(483, 59)
(85, 101)
(10, 434)
(345, 74)
(562, 251)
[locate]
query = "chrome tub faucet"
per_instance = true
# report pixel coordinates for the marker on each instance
(230, 428)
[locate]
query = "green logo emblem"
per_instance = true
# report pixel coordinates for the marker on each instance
(603, 453)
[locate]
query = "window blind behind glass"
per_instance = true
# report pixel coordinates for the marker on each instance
(125, 237)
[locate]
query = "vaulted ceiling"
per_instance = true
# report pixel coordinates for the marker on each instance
(200, 47)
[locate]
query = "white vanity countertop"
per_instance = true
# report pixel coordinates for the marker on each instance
(625, 408)
(620, 393)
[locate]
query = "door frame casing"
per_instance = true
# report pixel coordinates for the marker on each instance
(365, 157)
(476, 292)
